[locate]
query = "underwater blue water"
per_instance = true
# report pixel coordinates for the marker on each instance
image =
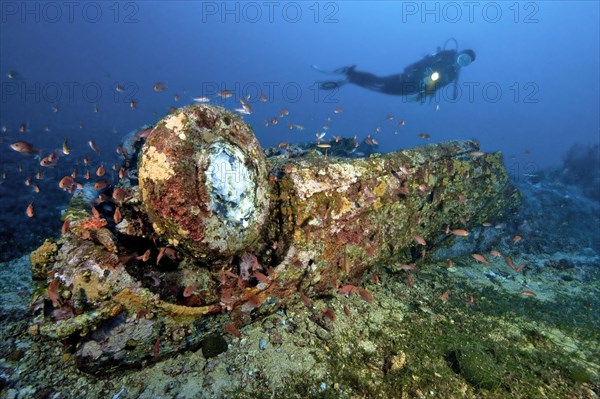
(532, 92)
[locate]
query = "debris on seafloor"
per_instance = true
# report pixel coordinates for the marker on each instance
(211, 235)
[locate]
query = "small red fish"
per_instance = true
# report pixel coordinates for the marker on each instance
(306, 301)
(23, 147)
(261, 277)
(460, 232)
(30, 211)
(145, 257)
(101, 171)
(346, 310)
(66, 226)
(189, 290)
(329, 313)
(419, 240)
(53, 292)
(67, 183)
(100, 184)
(444, 296)
(366, 295)
(516, 239)
(347, 290)
(117, 217)
(232, 329)
(510, 263)
(480, 258)
(407, 267)
(528, 293)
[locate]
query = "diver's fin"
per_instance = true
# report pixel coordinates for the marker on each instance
(332, 84)
(316, 68)
(345, 70)
(342, 70)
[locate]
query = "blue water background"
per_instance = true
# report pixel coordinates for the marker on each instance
(535, 80)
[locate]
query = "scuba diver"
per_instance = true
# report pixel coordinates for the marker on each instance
(423, 78)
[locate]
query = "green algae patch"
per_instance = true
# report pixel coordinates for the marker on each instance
(477, 366)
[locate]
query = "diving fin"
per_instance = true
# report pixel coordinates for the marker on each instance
(332, 84)
(342, 70)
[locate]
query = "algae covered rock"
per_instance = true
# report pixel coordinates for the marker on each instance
(477, 366)
(41, 258)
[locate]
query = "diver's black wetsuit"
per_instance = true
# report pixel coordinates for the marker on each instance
(416, 79)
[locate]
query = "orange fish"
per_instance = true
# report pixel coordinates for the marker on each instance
(100, 184)
(516, 239)
(67, 183)
(225, 94)
(450, 263)
(117, 216)
(119, 194)
(30, 211)
(50, 161)
(444, 296)
(53, 292)
(420, 240)
(480, 258)
(509, 262)
(101, 171)
(528, 293)
(145, 256)
(66, 226)
(347, 290)
(493, 252)
(232, 329)
(460, 232)
(366, 295)
(23, 147)
(189, 290)
(407, 267)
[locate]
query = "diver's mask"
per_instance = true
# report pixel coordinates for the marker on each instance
(464, 60)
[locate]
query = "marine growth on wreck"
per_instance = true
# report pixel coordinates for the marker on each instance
(205, 234)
